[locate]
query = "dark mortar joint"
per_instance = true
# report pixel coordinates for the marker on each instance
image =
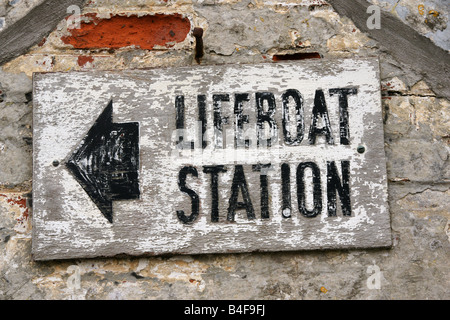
(296, 56)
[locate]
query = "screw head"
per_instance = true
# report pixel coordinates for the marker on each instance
(361, 149)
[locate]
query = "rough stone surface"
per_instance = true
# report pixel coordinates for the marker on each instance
(416, 141)
(15, 129)
(14, 10)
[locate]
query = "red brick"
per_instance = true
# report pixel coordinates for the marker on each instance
(121, 31)
(82, 60)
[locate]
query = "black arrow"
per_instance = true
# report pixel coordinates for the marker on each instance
(106, 162)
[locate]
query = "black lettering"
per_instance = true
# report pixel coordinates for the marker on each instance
(344, 131)
(201, 102)
(317, 192)
(298, 100)
(239, 182)
(239, 99)
(334, 183)
(179, 123)
(219, 120)
(192, 194)
(286, 208)
(265, 116)
(263, 168)
(214, 171)
(320, 109)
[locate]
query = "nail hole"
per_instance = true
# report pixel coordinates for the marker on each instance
(286, 213)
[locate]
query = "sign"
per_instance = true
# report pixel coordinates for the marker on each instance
(209, 159)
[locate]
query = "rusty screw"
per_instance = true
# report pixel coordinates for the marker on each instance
(198, 34)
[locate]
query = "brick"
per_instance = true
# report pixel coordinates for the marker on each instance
(82, 60)
(121, 31)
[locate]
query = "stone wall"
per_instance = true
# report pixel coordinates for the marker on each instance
(416, 126)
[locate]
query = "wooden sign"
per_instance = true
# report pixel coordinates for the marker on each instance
(208, 159)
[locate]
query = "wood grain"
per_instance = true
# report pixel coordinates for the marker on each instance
(28, 31)
(404, 43)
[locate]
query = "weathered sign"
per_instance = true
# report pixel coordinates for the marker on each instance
(207, 159)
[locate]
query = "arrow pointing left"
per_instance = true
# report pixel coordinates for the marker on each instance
(106, 162)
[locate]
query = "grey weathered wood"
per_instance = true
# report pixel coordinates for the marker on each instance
(67, 224)
(403, 42)
(28, 31)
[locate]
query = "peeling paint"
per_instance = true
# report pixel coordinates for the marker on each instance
(131, 92)
(18, 204)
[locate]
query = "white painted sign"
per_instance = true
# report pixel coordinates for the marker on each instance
(232, 158)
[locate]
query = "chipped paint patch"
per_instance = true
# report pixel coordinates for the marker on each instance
(18, 205)
(83, 60)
